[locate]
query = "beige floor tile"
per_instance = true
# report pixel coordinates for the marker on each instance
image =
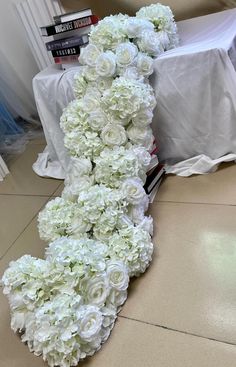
(23, 180)
(191, 284)
(28, 243)
(15, 214)
(131, 344)
(217, 187)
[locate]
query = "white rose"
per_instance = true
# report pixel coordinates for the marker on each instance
(96, 290)
(144, 64)
(142, 136)
(89, 55)
(90, 73)
(97, 120)
(106, 64)
(143, 118)
(125, 54)
(135, 26)
(131, 72)
(91, 101)
(114, 135)
(118, 275)
(78, 167)
(144, 157)
(90, 322)
(103, 83)
(133, 190)
(150, 43)
(72, 191)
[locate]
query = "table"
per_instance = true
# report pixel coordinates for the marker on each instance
(195, 85)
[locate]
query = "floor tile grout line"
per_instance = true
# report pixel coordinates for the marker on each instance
(62, 183)
(1, 257)
(189, 202)
(48, 197)
(176, 330)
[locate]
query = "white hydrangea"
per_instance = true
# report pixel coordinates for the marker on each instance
(162, 18)
(74, 116)
(61, 218)
(88, 144)
(109, 32)
(24, 284)
(115, 165)
(126, 98)
(160, 15)
(80, 85)
(133, 246)
(102, 207)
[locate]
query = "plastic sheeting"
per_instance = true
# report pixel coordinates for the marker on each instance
(195, 84)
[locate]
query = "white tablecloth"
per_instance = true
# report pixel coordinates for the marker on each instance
(195, 84)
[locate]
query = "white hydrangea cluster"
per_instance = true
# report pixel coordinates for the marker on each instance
(133, 246)
(65, 305)
(61, 218)
(116, 164)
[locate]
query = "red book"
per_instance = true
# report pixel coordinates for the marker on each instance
(66, 59)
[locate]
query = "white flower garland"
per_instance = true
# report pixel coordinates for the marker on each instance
(66, 305)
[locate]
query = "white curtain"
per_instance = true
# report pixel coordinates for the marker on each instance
(13, 92)
(3, 169)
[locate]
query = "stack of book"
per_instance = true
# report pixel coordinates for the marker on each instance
(155, 174)
(70, 33)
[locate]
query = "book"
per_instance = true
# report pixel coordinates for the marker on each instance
(155, 190)
(67, 42)
(76, 32)
(152, 177)
(63, 18)
(66, 59)
(66, 51)
(53, 29)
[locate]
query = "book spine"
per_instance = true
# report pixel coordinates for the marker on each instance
(69, 26)
(66, 51)
(66, 59)
(66, 43)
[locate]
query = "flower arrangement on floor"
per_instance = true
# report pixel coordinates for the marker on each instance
(65, 305)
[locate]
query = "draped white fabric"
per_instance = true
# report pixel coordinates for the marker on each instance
(195, 120)
(3, 169)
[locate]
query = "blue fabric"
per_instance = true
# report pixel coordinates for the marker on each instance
(8, 126)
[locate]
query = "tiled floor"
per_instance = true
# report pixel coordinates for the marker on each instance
(182, 312)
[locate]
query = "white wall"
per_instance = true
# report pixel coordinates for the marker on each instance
(14, 46)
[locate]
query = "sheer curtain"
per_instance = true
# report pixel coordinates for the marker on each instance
(16, 102)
